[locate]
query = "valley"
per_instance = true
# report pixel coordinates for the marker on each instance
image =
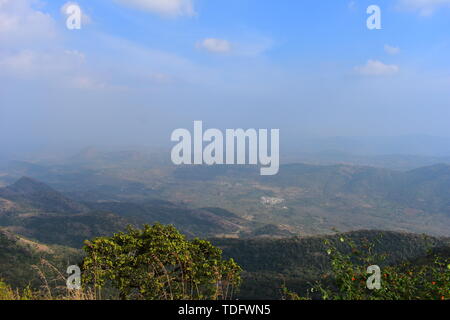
(274, 227)
(304, 199)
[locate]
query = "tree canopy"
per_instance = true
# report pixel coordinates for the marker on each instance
(158, 262)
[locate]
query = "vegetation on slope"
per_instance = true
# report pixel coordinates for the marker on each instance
(353, 275)
(23, 263)
(298, 263)
(160, 263)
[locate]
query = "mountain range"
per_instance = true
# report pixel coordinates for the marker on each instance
(303, 199)
(35, 210)
(274, 227)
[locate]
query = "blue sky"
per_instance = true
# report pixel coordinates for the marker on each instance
(139, 69)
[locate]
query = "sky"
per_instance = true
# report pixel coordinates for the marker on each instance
(139, 69)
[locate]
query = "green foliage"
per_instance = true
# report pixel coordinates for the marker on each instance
(16, 261)
(298, 263)
(419, 280)
(158, 262)
(71, 230)
(27, 265)
(7, 293)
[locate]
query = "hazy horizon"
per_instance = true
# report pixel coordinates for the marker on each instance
(134, 73)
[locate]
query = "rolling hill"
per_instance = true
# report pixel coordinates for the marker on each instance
(32, 194)
(314, 199)
(32, 209)
(303, 199)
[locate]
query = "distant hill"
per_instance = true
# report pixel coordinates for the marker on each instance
(204, 222)
(312, 199)
(68, 230)
(35, 210)
(401, 162)
(32, 209)
(39, 196)
(315, 198)
(426, 188)
(422, 145)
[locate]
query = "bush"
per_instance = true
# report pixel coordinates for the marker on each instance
(159, 263)
(427, 279)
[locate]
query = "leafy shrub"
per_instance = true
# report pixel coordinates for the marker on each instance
(427, 279)
(158, 262)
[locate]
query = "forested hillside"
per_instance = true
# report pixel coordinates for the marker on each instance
(39, 222)
(24, 262)
(299, 262)
(268, 264)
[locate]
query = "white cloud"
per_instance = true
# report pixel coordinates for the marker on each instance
(149, 66)
(20, 24)
(391, 49)
(247, 45)
(34, 64)
(377, 68)
(35, 48)
(86, 82)
(18, 64)
(169, 8)
(252, 45)
(215, 45)
(423, 7)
